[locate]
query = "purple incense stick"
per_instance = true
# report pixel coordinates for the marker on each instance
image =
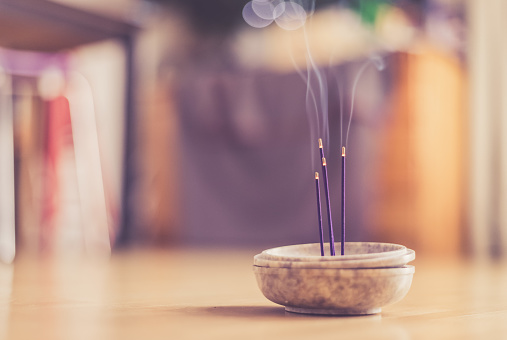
(321, 232)
(328, 202)
(343, 202)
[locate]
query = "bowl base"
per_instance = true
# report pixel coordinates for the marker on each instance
(333, 311)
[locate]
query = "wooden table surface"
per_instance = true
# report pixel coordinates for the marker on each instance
(212, 294)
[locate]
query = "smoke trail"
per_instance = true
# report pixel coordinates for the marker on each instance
(379, 64)
(291, 15)
(340, 98)
(313, 122)
(252, 18)
(316, 92)
(268, 9)
(312, 69)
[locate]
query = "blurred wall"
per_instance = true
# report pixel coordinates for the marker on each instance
(416, 196)
(488, 129)
(422, 185)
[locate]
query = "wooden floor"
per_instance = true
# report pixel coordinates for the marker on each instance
(183, 294)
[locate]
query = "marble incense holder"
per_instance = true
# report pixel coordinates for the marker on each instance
(368, 277)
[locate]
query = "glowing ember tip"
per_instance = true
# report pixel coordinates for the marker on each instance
(320, 143)
(316, 175)
(343, 151)
(324, 161)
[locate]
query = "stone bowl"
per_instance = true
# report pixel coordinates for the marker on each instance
(391, 260)
(334, 291)
(353, 251)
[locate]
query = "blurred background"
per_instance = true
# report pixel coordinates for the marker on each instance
(174, 123)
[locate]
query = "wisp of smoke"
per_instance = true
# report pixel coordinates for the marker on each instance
(293, 16)
(289, 14)
(378, 62)
(312, 111)
(268, 9)
(320, 103)
(252, 18)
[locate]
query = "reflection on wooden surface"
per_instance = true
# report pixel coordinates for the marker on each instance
(183, 294)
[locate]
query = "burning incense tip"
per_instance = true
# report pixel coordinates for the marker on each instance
(320, 143)
(343, 151)
(324, 161)
(316, 175)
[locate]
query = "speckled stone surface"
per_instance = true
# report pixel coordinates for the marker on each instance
(396, 260)
(334, 291)
(353, 251)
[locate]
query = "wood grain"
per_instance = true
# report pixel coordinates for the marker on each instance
(212, 294)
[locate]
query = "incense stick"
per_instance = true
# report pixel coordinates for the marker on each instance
(343, 202)
(321, 232)
(328, 202)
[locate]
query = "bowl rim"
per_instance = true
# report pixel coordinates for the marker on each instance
(378, 262)
(268, 253)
